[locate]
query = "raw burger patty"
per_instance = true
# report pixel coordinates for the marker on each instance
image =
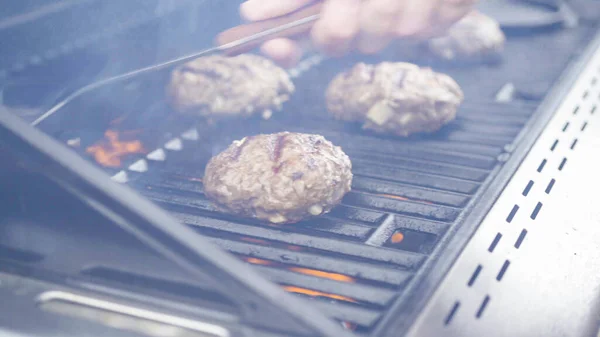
(219, 86)
(476, 37)
(280, 178)
(397, 98)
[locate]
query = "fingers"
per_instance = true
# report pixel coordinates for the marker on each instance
(377, 19)
(256, 10)
(426, 19)
(337, 27)
(283, 51)
(367, 25)
(415, 17)
(445, 18)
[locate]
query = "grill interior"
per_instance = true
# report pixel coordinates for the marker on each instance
(407, 194)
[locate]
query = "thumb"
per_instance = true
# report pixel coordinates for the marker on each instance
(256, 10)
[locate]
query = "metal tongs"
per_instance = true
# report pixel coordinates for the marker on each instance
(233, 41)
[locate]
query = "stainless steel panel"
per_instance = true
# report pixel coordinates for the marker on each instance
(532, 267)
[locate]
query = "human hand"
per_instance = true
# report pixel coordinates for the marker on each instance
(366, 25)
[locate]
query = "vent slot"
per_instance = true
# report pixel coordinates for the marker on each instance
(482, 307)
(550, 186)
(528, 188)
(495, 242)
(512, 213)
(502, 270)
(474, 276)
(452, 313)
(521, 238)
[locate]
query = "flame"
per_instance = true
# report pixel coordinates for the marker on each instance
(316, 293)
(397, 197)
(109, 154)
(394, 197)
(349, 325)
(397, 237)
(254, 260)
(322, 274)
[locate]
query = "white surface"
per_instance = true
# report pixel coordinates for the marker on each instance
(552, 285)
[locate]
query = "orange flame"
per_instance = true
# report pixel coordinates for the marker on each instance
(316, 293)
(349, 325)
(397, 237)
(323, 274)
(109, 154)
(254, 260)
(397, 197)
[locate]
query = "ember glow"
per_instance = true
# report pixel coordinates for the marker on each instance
(397, 237)
(349, 325)
(109, 151)
(323, 274)
(316, 293)
(397, 197)
(394, 197)
(254, 260)
(305, 271)
(295, 248)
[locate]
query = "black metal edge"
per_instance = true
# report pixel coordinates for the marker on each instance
(405, 310)
(155, 227)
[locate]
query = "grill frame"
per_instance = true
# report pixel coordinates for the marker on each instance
(554, 230)
(456, 222)
(463, 220)
(456, 242)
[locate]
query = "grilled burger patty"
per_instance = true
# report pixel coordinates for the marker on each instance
(476, 37)
(397, 98)
(281, 178)
(218, 86)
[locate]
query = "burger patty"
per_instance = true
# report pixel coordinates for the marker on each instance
(397, 98)
(476, 37)
(281, 178)
(219, 86)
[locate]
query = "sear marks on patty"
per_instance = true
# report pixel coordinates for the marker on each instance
(476, 37)
(218, 87)
(397, 98)
(280, 178)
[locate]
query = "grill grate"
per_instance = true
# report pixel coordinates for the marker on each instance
(354, 262)
(357, 260)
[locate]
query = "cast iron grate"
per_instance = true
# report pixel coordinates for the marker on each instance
(355, 261)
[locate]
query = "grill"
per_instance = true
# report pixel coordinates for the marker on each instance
(363, 261)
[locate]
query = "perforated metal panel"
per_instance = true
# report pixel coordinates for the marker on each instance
(531, 269)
